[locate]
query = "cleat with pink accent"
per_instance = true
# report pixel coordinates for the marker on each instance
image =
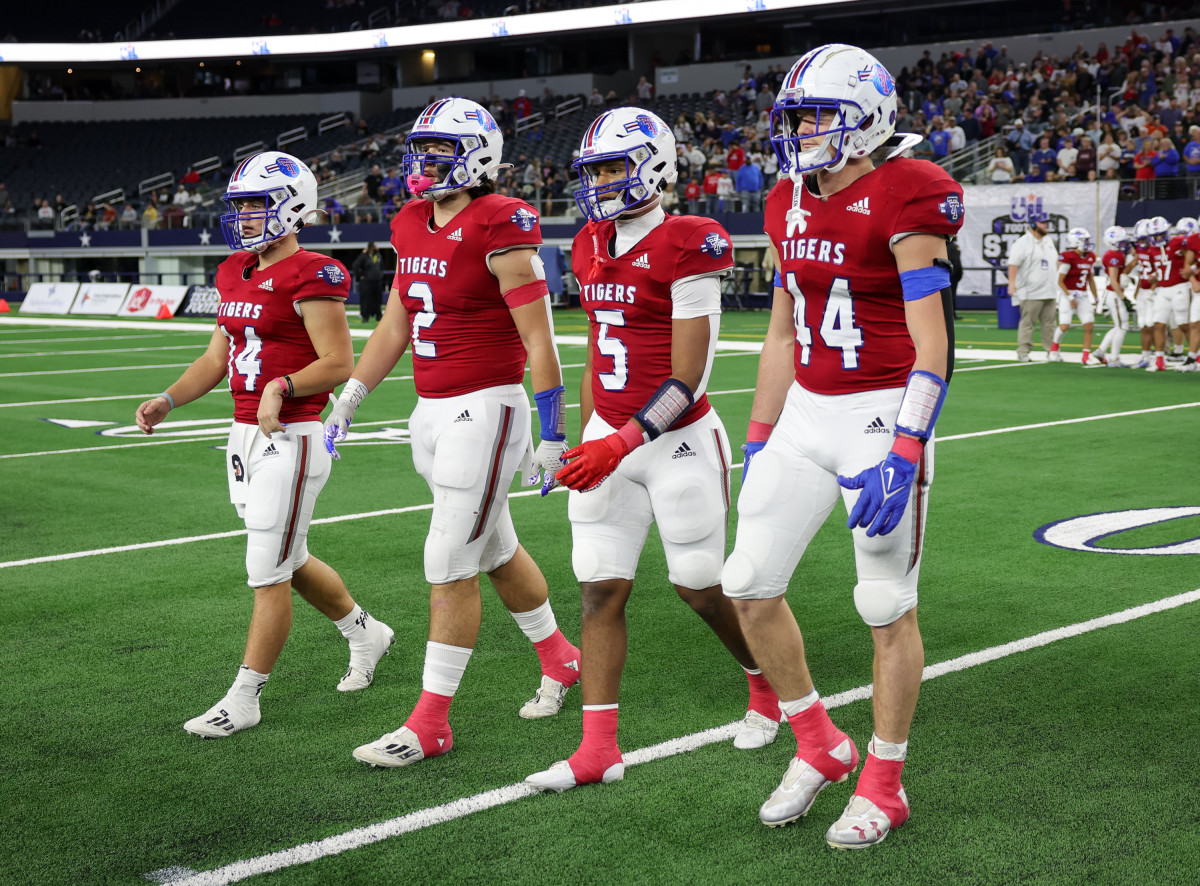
(399, 748)
(561, 777)
(803, 782)
(864, 824)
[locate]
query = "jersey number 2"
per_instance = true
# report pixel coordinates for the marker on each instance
(247, 363)
(423, 319)
(837, 323)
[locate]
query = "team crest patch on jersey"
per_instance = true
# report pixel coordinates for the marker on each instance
(524, 219)
(714, 244)
(952, 209)
(332, 274)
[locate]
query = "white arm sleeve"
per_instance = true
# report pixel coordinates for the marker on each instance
(696, 296)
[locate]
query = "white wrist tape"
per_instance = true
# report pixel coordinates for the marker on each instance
(355, 391)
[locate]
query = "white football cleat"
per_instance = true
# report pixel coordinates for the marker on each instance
(546, 702)
(755, 731)
(560, 777)
(364, 659)
(800, 786)
(862, 824)
(223, 720)
(396, 749)
(1054, 357)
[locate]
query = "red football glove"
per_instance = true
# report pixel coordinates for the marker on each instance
(591, 462)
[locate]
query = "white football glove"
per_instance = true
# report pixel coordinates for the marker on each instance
(339, 419)
(547, 461)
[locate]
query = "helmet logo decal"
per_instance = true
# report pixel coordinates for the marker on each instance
(483, 118)
(524, 219)
(643, 124)
(286, 165)
(879, 78)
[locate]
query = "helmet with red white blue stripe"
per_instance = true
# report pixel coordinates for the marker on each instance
(289, 192)
(475, 144)
(640, 140)
(851, 97)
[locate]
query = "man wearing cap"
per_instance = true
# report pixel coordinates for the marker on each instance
(1020, 143)
(1033, 281)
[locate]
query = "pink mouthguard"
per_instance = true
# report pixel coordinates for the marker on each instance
(418, 183)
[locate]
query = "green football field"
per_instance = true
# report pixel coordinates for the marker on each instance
(1055, 741)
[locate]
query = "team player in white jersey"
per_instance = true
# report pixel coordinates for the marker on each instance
(859, 340)
(1117, 263)
(654, 450)
(283, 340)
(470, 297)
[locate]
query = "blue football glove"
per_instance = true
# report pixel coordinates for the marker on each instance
(885, 492)
(751, 448)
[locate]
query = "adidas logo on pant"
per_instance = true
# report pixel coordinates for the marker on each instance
(877, 427)
(465, 415)
(684, 451)
(271, 450)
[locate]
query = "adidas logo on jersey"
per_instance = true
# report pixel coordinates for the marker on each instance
(862, 206)
(266, 284)
(271, 450)
(465, 415)
(877, 427)
(684, 451)
(642, 261)
(457, 235)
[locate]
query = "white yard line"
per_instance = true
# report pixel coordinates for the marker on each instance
(92, 370)
(435, 815)
(121, 350)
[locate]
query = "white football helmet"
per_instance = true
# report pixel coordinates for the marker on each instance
(1076, 239)
(640, 140)
(1117, 238)
(289, 190)
(476, 145)
(853, 99)
(1158, 229)
(1186, 226)
(1141, 231)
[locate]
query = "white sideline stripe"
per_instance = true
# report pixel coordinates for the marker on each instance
(117, 446)
(97, 399)
(92, 370)
(423, 818)
(121, 350)
(1067, 421)
(88, 338)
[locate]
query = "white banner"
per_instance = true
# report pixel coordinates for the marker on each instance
(996, 216)
(147, 301)
(100, 298)
(49, 298)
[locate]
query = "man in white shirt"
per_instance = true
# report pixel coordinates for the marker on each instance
(1033, 282)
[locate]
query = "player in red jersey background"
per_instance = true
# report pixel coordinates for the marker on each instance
(853, 373)
(1117, 262)
(654, 450)
(470, 297)
(1074, 279)
(283, 341)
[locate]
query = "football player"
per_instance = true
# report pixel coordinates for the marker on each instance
(1150, 262)
(1117, 263)
(1175, 294)
(470, 297)
(283, 341)
(1189, 229)
(654, 449)
(852, 377)
(1074, 280)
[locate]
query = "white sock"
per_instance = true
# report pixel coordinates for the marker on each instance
(1058, 334)
(887, 750)
(799, 705)
(354, 623)
(247, 686)
(444, 667)
(536, 624)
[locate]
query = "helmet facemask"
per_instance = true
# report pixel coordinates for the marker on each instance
(450, 169)
(600, 202)
(273, 227)
(830, 126)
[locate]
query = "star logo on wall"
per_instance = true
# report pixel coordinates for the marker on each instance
(335, 235)
(85, 239)
(205, 238)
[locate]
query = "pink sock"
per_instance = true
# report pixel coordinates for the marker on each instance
(598, 750)
(762, 697)
(557, 654)
(815, 737)
(880, 783)
(430, 721)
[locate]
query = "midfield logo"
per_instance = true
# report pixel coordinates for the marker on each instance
(267, 284)
(642, 261)
(877, 427)
(862, 206)
(684, 451)
(457, 235)
(465, 415)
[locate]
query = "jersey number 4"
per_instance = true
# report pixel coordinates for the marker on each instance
(838, 331)
(247, 363)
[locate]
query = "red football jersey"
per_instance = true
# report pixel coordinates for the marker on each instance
(1174, 274)
(836, 261)
(1114, 258)
(628, 302)
(1192, 242)
(260, 315)
(1153, 265)
(463, 336)
(1076, 266)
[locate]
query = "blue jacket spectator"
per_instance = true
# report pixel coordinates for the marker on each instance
(940, 139)
(749, 182)
(1166, 162)
(1045, 158)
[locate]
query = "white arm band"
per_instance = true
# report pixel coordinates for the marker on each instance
(697, 296)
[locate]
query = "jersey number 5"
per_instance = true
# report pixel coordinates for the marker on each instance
(837, 323)
(422, 319)
(246, 364)
(613, 347)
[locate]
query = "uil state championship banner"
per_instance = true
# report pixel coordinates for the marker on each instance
(996, 216)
